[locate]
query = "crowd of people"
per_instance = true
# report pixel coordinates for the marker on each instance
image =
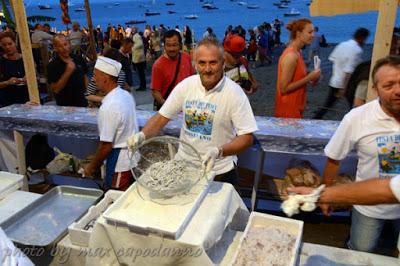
(218, 118)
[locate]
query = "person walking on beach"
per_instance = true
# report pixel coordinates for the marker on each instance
(139, 58)
(345, 58)
(292, 72)
(170, 68)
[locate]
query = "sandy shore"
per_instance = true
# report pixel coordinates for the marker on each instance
(263, 100)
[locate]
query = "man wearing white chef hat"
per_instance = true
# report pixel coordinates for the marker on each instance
(116, 122)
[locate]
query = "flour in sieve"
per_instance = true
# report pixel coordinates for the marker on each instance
(169, 175)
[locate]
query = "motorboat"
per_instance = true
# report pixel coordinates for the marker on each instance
(276, 3)
(171, 12)
(191, 16)
(44, 7)
(169, 3)
(79, 9)
(283, 5)
(293, 12)
(253, 6)
(151, 13)
(116, 4)
(209, 5)
(285, 1)
(241, 3)
(130, 22)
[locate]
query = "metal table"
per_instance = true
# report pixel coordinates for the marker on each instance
(75, 122)
(289, 136)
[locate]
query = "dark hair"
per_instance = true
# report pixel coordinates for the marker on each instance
(297, 25)
(172, 33)
(390, 60)
(361, 33)
(115, 44)
(7, 34)
(113, 54)
(46, 25)
(127, 41)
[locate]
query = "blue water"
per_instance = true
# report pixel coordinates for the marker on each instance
(336, 29)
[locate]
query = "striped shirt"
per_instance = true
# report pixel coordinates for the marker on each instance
(93, 90)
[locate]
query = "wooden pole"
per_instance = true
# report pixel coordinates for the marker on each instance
(383, 37)
(26, 49)
(92, 47)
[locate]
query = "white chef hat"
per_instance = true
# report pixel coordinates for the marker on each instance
(108, 66)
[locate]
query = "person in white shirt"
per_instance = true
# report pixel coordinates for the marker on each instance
(345, 58)
(139, 58)
(116, 122)
(75, 38)
(373, 130)
(39, 36)
(218, 119)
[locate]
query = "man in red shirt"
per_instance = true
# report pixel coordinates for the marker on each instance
(170, 68)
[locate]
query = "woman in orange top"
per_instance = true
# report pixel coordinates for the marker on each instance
(292, 72)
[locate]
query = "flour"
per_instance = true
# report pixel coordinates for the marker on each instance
(169, 177)
(266, 246)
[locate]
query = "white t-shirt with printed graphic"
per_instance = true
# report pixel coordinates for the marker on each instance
(211, 118)
(376, 137)
(345, 58)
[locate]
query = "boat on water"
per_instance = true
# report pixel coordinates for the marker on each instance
(276, 3)
(79, 9)
(253, 6)
(283, 6)
(293, 12)
(151, 13)
(191, 16)
(241, 3)
(171, 12)
(285, 1)
(169, 3)
(43, 7)
(116, 4)
(209, 5)
(133, 21)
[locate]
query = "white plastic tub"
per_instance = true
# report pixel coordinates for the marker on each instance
(9, 183)
(80, 236)
(292, 226)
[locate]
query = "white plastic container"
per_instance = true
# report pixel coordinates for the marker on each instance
(9, 183)
(292, 226)
(77, 234)
(145, 216)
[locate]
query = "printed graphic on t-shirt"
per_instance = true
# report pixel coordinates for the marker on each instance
(199, 118)
(389, 155)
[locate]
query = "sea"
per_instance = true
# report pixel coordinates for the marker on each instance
(229, 12)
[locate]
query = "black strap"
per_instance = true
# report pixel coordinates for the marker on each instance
(172, 85)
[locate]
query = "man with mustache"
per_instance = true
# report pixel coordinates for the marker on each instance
(374, 131)
(218, 119)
